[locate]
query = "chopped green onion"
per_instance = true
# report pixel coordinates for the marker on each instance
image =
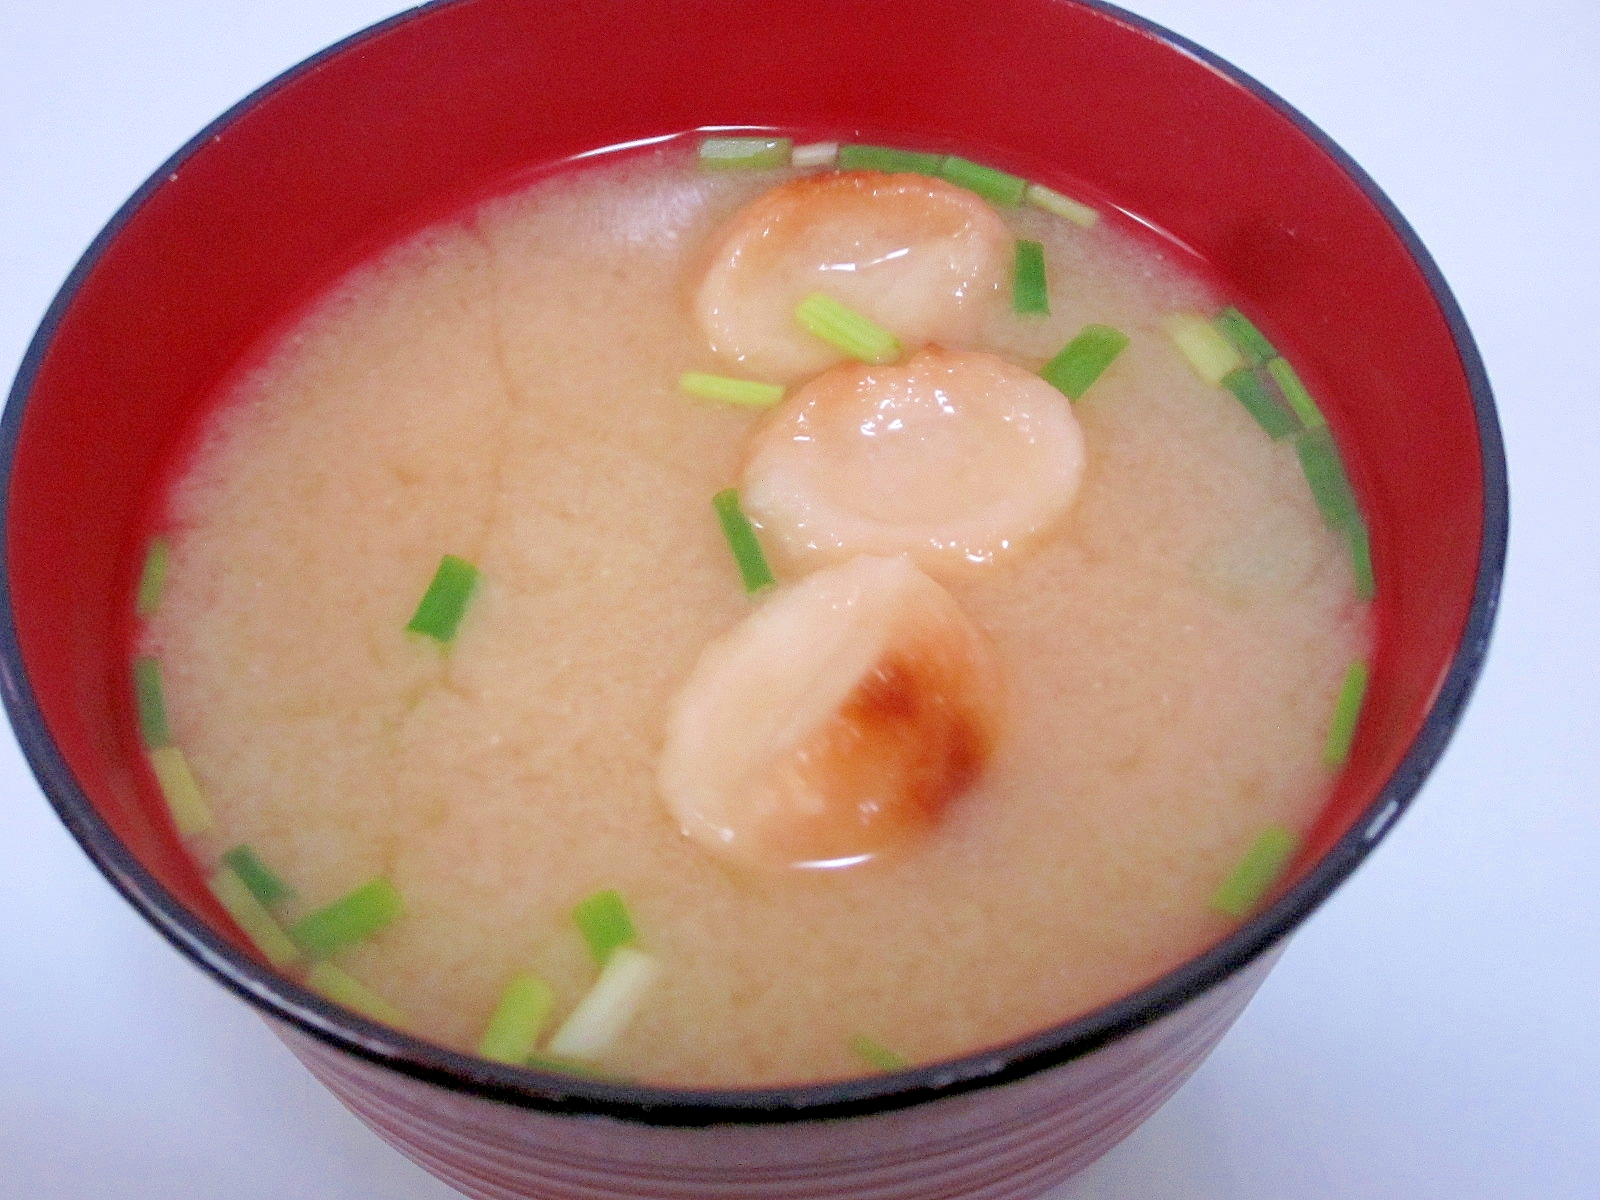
(746, 392)
(1259, 400)
(845, 329)
(263, 883)
(605, 924)
(343, 988)
(814, 154)
(744, 153)
(890, 159)
(1361, 561)
(1330, 487)
(514, 1029)
(148, 598)
(608, 1007)
(1346, 711)
(443, 604)
(1244, 336)
(153, 727)
(351, 918)
(1030, 292)
(1083, 359)
(996, 187)
(1054, 202)
(1261, 867)
(190, 812)
(1210, 354)
(875, 1054)
(742, 541)
(250, 915)
(1295, 393)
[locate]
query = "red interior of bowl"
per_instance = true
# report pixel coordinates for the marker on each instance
(409, 120)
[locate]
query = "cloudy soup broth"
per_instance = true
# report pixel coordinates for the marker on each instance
(480, 718)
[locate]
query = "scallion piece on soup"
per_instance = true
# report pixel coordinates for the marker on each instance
(889, 159)
(513, 1030)
(1295, 393)
(1244, 336)
(1361, 562)
(997, 187)
(152, 704)
(876, 1054)
(1030, 292)
(1052, 201)
(343, 988)
(742, 541)
(748, 393)
(1346, 711)
(744, 153)
(250, 915)
(608, 1007)
(814, 154)
(820, 315)
(1330, 487)
(190, 812)
(605, 924)
(151, 579)
(1259, 401)
(1210, 354)
(352, 918)
(1083, 360)
(442, 606)
(262, 881)
(1261, 867)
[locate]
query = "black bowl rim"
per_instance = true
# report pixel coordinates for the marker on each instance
(282, 1000)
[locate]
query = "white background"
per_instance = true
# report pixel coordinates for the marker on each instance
(1430, 1033)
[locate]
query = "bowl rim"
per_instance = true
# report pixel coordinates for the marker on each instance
(282, 1000)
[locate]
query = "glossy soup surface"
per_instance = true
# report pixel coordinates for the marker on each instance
(503, 387)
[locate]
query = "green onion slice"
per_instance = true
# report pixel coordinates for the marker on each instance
(262, 881)
(152, 578)
(351, 918)
(748, 393)
(1346, 711)
(1210, 354)
(608, 1007)
(187, 804)
(604, 922)
(1244, 337)
(514, 1029)
(742, 541)
(1259, 399)
(875, 1054)
(1295, 393)
(1030, 292)
(1052, 201)
(442, 606)
(1319, 459)
(1361, 561)
(814, 154)
(153, 727)
(250, 915)
(744, 153)
(1261, 867)
(343, 988)
(820, 315)
(1083, 359)
(889, 159)
(996, 187)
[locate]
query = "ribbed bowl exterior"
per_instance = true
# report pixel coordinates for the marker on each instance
(1010, 1142)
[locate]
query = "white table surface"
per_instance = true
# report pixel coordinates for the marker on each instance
(1430, 1033)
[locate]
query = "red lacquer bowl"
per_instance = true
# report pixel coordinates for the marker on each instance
(404, 122)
